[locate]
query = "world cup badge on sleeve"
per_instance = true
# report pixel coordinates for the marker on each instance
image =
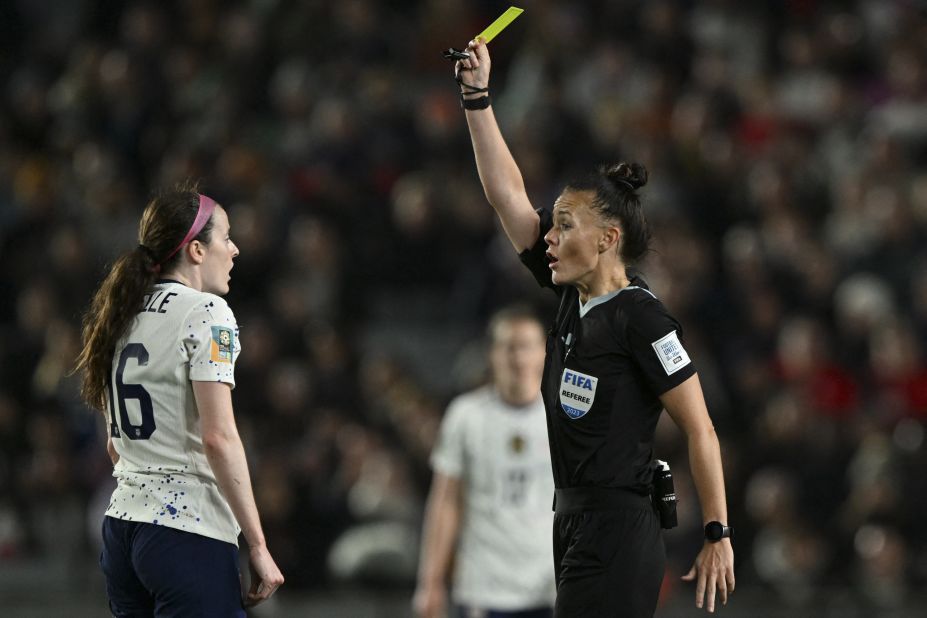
(672, 355)
(222, 344)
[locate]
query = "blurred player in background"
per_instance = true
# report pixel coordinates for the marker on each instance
(159, 354)
(615, 360)
(488, 515)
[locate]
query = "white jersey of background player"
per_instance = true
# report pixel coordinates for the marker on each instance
(490, 502)
(163, 475)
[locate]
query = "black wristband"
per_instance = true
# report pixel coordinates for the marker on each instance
(474, 104)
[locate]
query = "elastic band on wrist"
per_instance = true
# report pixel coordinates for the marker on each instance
(468, 88)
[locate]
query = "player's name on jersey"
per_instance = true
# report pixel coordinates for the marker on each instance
(156, 303)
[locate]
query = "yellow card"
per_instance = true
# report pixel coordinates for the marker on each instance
(500, 24)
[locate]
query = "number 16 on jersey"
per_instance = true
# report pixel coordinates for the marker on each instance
(126, 392)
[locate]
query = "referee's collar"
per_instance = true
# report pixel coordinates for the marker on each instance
(595, 302)
(604, 298)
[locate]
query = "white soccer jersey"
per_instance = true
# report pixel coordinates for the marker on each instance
(501, 456)
(163, 476)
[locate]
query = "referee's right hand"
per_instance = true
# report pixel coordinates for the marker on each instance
(474, 71)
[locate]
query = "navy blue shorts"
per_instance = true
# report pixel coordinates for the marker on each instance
(154, 570)
(461, 611)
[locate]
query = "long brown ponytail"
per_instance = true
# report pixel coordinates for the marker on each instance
(120, 297)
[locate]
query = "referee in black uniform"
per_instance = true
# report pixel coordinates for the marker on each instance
(615, 360)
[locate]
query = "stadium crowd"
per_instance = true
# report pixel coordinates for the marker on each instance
(786, 143)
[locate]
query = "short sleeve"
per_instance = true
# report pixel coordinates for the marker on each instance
(448, 454)
(535, 257)
(211, 341)
(655, 340)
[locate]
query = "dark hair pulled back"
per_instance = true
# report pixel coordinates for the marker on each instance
(615, 187)
(164, 224)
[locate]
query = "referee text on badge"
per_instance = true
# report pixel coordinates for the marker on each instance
(577, 393)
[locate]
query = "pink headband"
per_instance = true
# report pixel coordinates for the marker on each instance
(207, 205)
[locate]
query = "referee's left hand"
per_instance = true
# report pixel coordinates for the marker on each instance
(714, 568)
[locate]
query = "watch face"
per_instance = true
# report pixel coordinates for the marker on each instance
(713, 531)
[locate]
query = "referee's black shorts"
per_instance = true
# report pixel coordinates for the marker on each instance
(608, 553)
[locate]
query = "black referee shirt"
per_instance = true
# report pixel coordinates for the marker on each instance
(606, 367)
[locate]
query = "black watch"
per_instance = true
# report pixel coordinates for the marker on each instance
(715, 531)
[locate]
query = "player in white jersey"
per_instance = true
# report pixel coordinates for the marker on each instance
(159, 353)
(489, 508)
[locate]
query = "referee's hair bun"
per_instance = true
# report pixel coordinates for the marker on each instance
(631, 175)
